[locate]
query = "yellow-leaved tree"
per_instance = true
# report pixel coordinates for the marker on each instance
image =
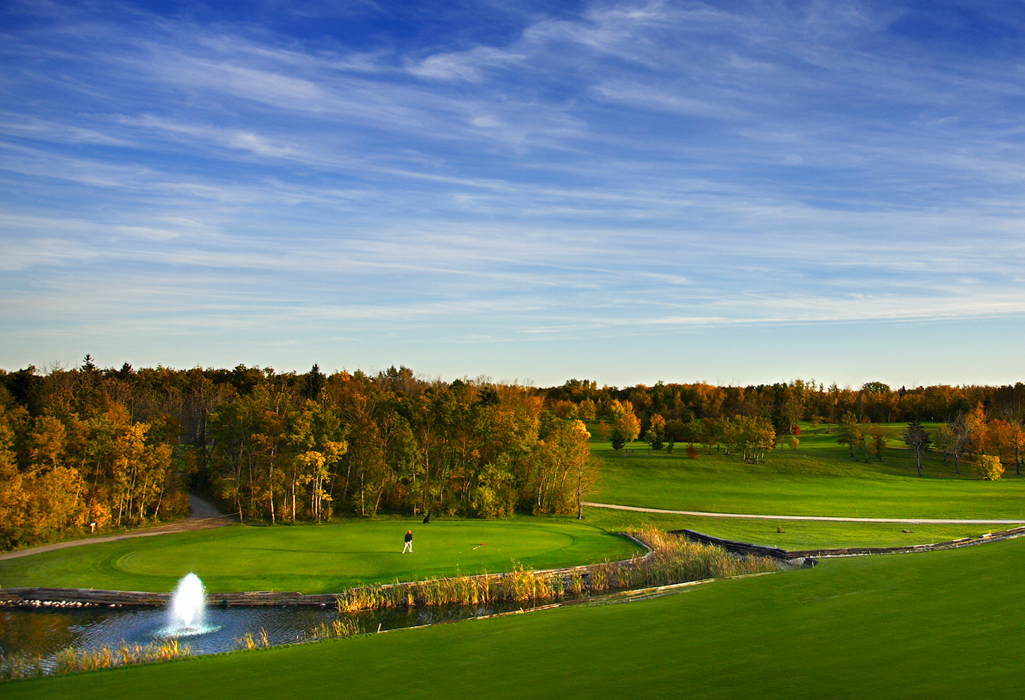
(988, 467)
(625, 428)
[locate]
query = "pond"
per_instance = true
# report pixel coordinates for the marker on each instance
(42, 632)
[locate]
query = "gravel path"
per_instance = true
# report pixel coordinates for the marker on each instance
(204, 516)
(825, 518)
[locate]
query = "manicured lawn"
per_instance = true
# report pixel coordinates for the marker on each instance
(795, 535)
(938, 625)
(819, 478)
(318, 558)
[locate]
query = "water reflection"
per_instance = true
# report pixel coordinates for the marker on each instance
(44, 632)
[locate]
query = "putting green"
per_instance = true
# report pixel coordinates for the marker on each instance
(318, 558)
(937, 625)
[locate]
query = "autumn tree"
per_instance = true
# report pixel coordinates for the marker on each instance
(849, 432)
(565, 409)
(656, 432)
(1017, 437)
(559, 466)
(975, 424)
(13, 497)
(1005, 438)
(625, 428)
(711, 432)
(876, 436)
(988, 467)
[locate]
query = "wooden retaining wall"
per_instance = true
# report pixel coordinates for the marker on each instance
(81, 597)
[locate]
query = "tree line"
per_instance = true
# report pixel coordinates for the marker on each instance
(121, 446)
(983, 425)
(74, 458)
(118, 447)
(684, 407)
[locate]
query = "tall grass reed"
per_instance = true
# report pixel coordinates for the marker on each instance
(341, 627)
(248, 642)
(71, 659)
(671, 559)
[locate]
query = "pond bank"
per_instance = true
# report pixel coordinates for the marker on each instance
(808, 556)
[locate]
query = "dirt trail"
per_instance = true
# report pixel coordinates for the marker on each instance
(202, 509)
(204, 515)
(826, 518)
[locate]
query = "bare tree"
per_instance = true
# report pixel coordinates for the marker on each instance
(917, 438)
(955, 439)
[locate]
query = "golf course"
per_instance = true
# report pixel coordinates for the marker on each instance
(327, 512)
(855, 627)
(851, 628)
(486, 350)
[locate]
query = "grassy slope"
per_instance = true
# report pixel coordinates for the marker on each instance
(820, 478)
(317, 559)
(795, 535)
(944, 624)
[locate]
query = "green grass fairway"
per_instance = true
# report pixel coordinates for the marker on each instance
(317, 558)
(938, 625)
(819, 478)
(795, 535)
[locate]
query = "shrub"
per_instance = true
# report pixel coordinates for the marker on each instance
(692, 452)
(988, 467)
(794, 442)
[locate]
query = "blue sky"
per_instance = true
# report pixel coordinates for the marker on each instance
(736, 192)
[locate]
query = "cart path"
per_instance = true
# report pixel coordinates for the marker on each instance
(204, 515)
(826, 518)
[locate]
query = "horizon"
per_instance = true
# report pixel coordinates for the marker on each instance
(813, 383)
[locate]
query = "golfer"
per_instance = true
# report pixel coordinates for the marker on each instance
(409, 542)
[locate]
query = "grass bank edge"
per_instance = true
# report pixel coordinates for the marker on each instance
(839, 630)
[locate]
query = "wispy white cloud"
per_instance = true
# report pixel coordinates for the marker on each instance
(29, 127)
(468, 65)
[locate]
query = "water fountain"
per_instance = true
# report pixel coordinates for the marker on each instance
(186, 610)
(220, 629)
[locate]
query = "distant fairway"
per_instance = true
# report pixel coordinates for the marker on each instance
(317, 558)
(819, 478)
(794, 535)
(938, 625)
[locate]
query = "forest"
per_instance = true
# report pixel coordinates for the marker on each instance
(110, 447)
(86, 447)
